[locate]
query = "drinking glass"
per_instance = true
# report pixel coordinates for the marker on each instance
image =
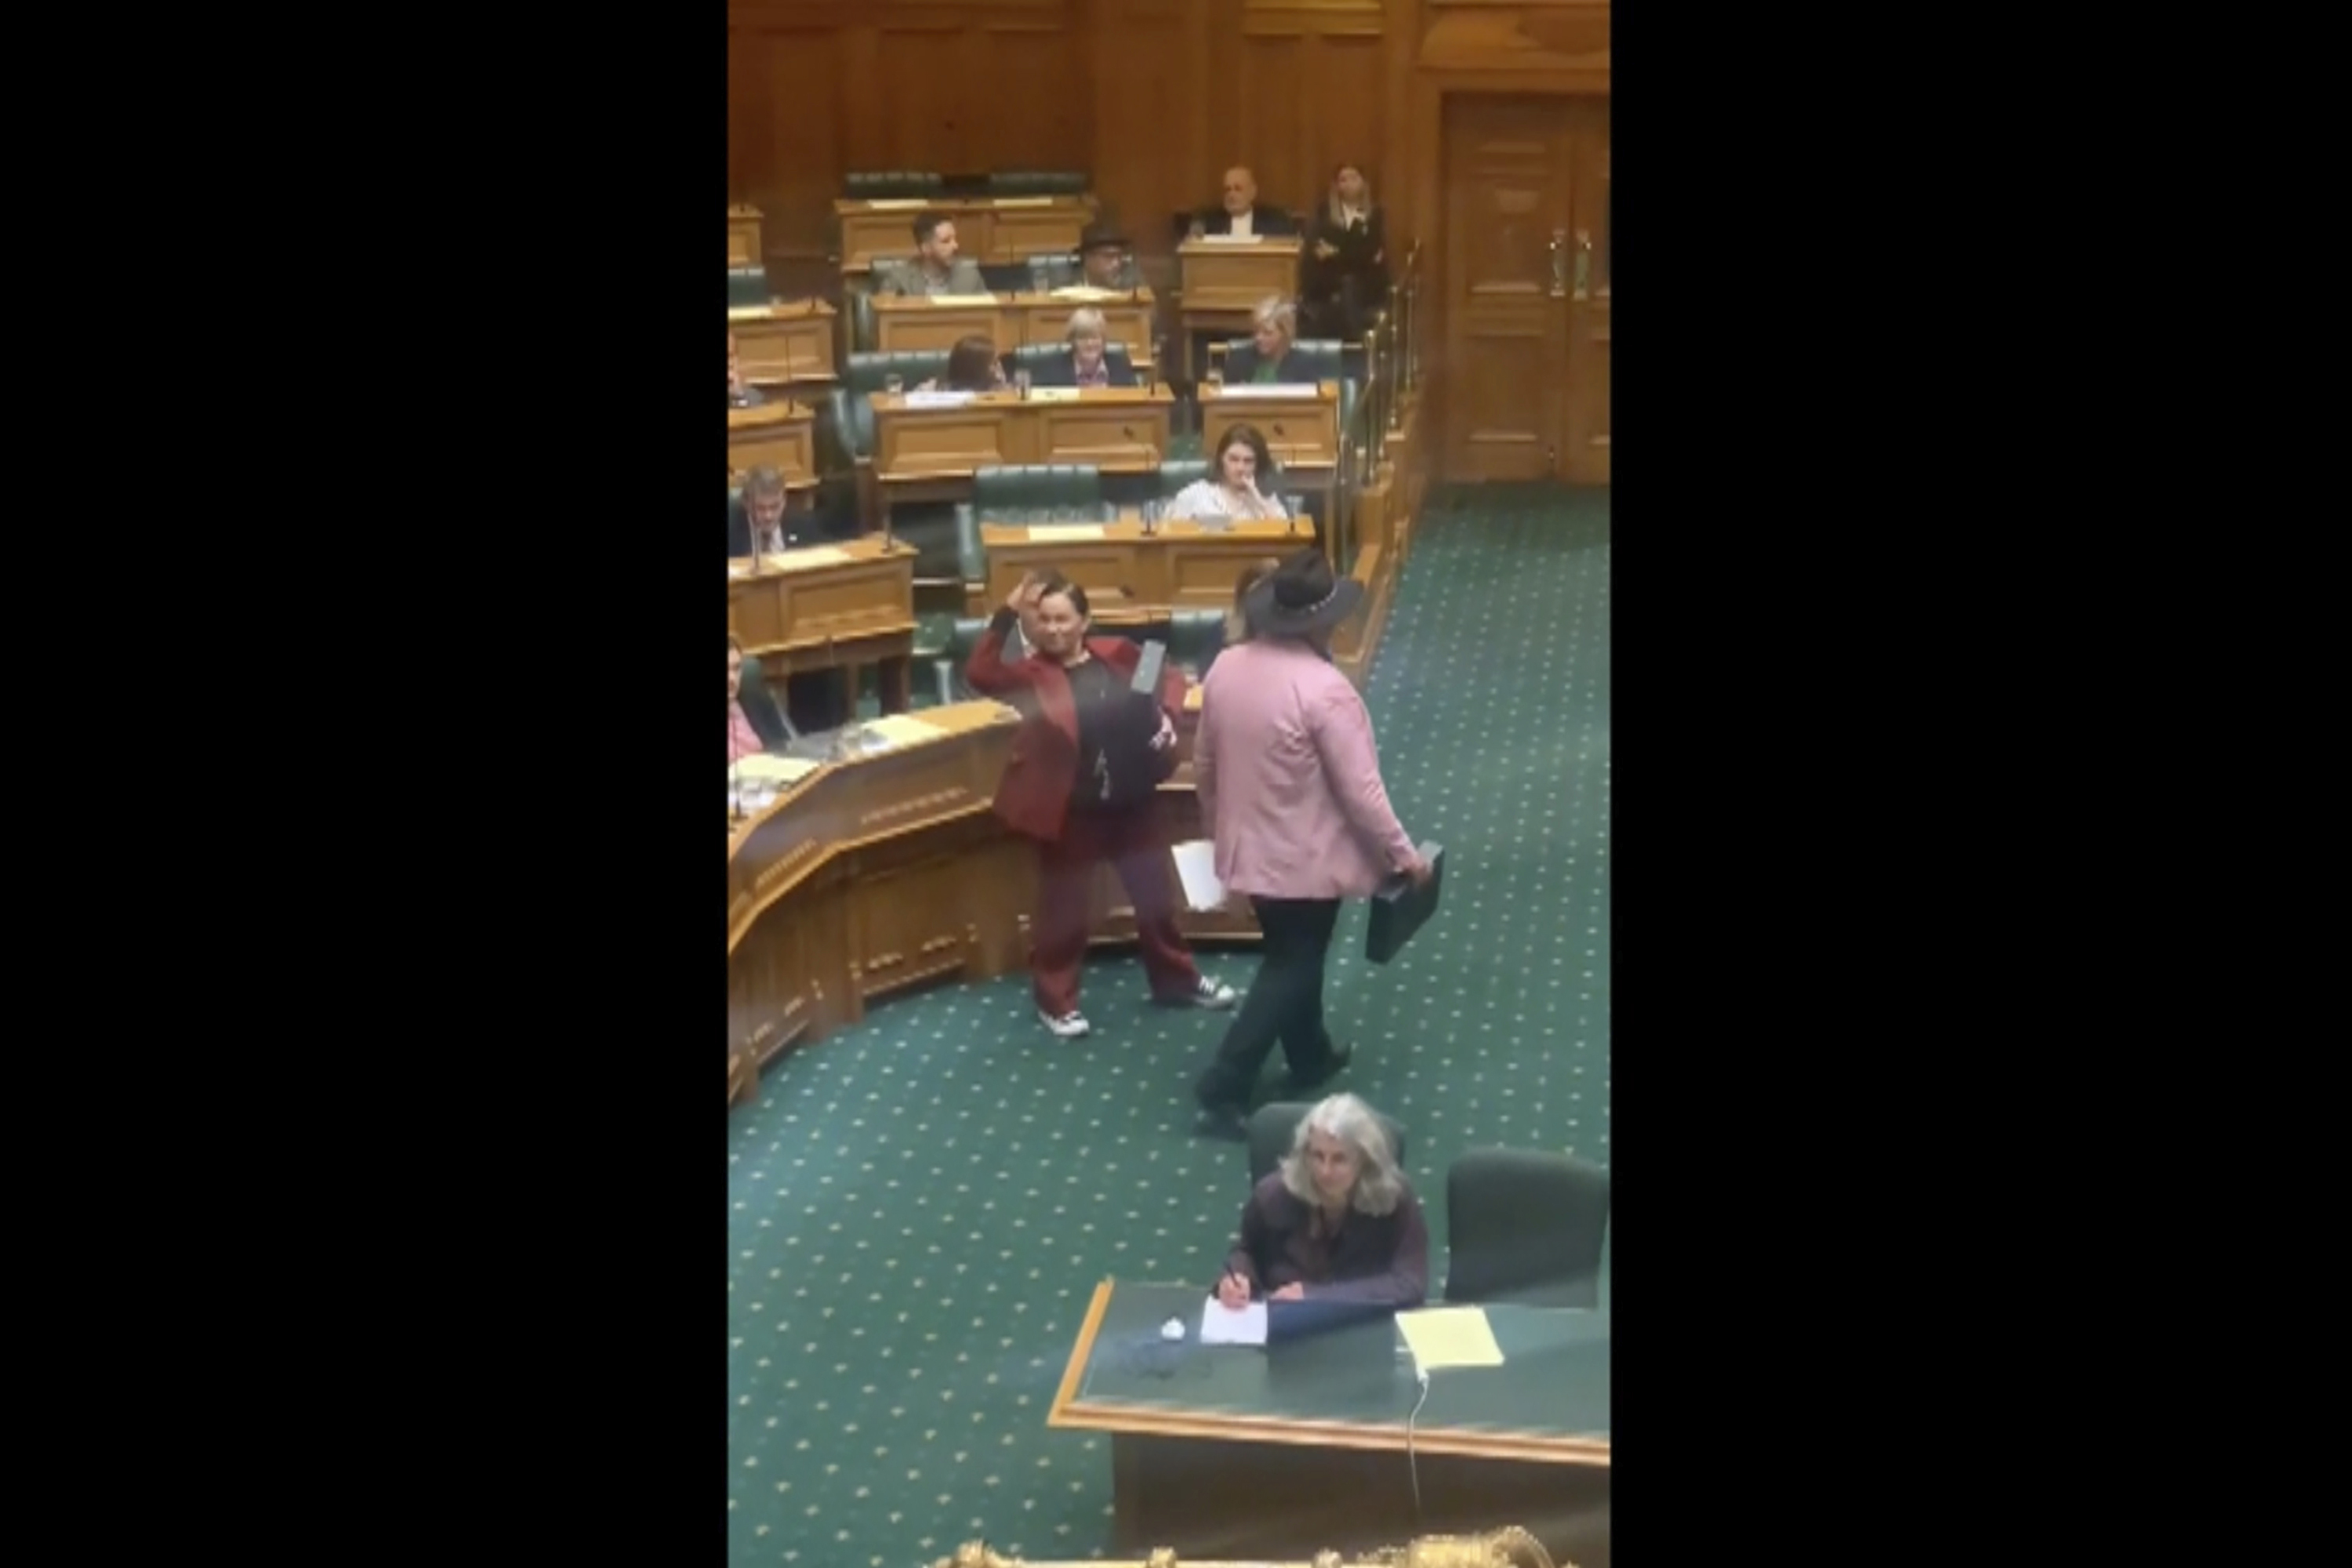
(1039, 282)
(1020, 382)
(891, 383)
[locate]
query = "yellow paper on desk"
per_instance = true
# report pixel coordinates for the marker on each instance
(962, 298)
(765, 769)
(1440, 1337)
(740, 312)
(902, 730)
(1063, 533)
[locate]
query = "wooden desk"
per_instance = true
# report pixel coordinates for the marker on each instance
(929, 453)
(1301, 432)
(1182, 567)
(988, 228)
(788, 342)
(780, 435)
(1247, 1452)
(912, 324)
(744, 247)
(886, 869)
(830, 607)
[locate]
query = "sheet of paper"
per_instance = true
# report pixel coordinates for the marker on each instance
(1224, 1325)
(740, 312)
(765, 769)
(894, 203)
(902, 730)
(811, 555)
(1084, 292)
(1450, 1336)
(963, 298)
(1007, 204)
(1273, 389)
(1052, 394)
(1196, 867)
(1063, 533)
(938, 399)
(1231, 238)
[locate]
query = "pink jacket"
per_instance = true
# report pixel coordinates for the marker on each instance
(1289, 779)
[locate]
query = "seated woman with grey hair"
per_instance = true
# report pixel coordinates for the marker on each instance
(1084, 359)
(1337, 1221)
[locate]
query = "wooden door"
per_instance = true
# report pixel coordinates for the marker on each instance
(1526, 263)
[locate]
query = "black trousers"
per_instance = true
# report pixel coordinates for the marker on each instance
(1284, 1002)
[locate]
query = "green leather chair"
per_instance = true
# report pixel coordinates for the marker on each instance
(1060, 268)
(1324, 357)
(1176, 473)
(862, 375)
(1040, 492)
(890, 184)
(1037, 183)
(947, 557)
(1194, 638)
(1005, 277)
(1525, 1226)
(1032, 355)
(962, 635)
(746, 286)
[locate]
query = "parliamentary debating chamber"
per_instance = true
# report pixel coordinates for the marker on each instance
(1076, 348)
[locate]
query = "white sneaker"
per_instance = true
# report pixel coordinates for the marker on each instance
(1207, 994)
(1069, 1026)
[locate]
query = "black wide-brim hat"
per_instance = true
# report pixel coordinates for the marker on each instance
(1300, 597)
(1099, 236)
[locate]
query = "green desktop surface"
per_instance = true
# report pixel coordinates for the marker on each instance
(1549, 1399)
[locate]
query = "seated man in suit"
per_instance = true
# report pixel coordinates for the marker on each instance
(1240, 216)
(1084, 361)
(761, 518)
(937, 269)
(740, 394)
(1267, 357)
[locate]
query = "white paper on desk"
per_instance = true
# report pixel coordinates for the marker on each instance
(1224, 1325)
(1231, 238)
(1052, 394)
(962, 298)
(1196, 867)
(1273, 389)
(938, 399)
(1082, 291)
(1063, 533)
(745, 313)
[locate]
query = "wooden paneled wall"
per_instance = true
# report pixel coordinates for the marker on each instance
(1154, 98)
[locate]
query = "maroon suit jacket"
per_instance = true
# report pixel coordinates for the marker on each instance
(1033, 796)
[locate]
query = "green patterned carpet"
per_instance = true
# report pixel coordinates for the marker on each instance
(919, 1208)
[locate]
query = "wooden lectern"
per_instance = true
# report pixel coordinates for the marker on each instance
(743, 242)
(1302, 432)
(779, 435)
(786, 343)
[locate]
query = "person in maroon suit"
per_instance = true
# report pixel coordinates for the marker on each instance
(1084, 782)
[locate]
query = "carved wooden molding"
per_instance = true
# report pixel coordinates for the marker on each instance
(1518, 38)
(1313, 18)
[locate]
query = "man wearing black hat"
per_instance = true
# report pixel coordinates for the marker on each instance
(1289, 787)
(1103, 259)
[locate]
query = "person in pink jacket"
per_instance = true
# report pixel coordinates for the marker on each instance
(1290, 791)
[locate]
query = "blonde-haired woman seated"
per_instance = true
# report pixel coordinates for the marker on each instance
(1337, 1221)
(1233, 491)
(1269, 355)
(1084, 359)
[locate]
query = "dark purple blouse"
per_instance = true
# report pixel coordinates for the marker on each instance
(1370, 1257)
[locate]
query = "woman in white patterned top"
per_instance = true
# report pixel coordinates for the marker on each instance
(1241, 461)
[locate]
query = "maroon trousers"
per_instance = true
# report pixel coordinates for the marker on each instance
(1133, 842)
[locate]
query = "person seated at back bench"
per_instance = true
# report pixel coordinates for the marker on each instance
(1085, 360)
(937, 269)
(1269, 356)
(972, 366)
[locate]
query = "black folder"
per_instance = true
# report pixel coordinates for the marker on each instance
(1400, 909)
